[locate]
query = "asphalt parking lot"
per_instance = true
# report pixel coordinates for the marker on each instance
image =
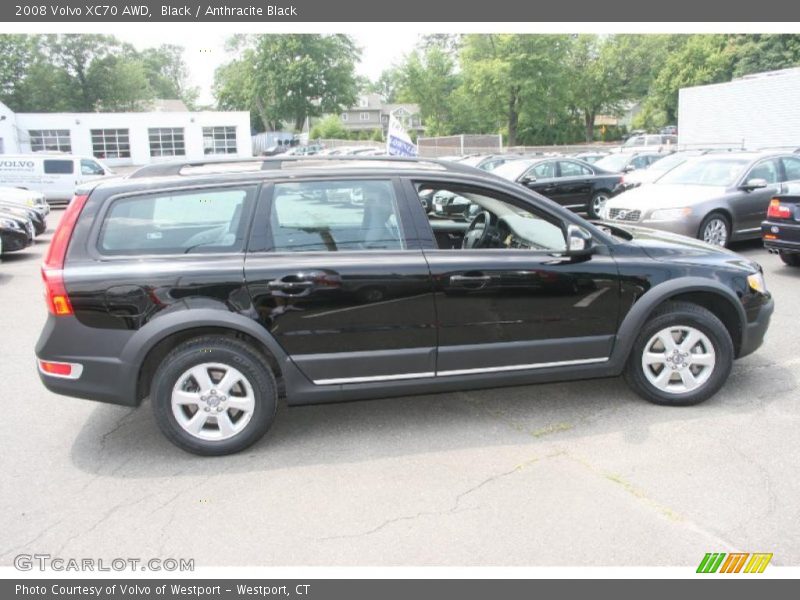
(582, 473)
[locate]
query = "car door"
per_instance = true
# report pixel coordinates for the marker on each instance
(342, 285)
(513, 308)
(750, 206)
(575, 183)
(543, 179)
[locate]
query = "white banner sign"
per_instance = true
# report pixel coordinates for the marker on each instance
(398, 143)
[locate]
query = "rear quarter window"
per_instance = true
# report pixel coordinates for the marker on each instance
(58, 167)
(177, 222)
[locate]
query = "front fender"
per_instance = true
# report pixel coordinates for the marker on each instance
(643, 307)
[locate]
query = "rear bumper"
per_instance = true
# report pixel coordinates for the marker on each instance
(753, 335)
(779, 236)
(105, 378)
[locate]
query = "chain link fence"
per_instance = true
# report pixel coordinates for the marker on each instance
(459, 145)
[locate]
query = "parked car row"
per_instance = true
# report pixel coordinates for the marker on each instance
(718, 196)
(23, 216)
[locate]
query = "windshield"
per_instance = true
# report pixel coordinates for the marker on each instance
(718, 172)
(513, 169)
(613, 162)
(668, 162)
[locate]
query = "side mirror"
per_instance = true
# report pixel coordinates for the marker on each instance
(528, 179)
(754, 184)
(579, 241)
(628, 169)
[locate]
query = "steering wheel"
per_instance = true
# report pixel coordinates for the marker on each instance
(481, 231)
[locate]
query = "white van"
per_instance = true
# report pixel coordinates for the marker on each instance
(54, 175)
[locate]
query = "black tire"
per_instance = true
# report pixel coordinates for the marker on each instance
(790, 258)
(681, 314)
(215, 349)
(594, 211)
(722, 218)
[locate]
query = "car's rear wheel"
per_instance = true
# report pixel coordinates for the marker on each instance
(598, 203)
(790, 258)
(682, 356)
(214, 395)
(716, 229)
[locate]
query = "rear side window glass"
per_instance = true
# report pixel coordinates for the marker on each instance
(58, 167)
(792, 168)
(330, 216)
(185, 222)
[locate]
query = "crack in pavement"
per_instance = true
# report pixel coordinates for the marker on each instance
(39, 536)
(454, 509)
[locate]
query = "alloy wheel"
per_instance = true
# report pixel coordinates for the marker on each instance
(213, 401)
(716, 232)
(678, 359)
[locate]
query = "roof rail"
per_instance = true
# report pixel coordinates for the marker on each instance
(278, 163)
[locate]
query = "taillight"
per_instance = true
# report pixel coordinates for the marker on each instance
(777, 210)
(53, 268)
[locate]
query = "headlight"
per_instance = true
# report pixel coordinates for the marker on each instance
(669, 214)
(756, 283)
(9, 224)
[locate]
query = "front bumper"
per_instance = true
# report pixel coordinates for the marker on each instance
(753, 335)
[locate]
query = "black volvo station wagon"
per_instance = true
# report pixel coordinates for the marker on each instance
(215, 288)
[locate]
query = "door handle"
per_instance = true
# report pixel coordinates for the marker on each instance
(471, 281)
(290, 285)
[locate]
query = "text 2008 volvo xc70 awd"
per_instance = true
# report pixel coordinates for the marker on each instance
(213, 289)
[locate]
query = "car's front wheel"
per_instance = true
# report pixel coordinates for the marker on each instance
(682, 356)
(716, 229)
(214, 395)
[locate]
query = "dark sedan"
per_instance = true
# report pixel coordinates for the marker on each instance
(781, 229)
(14, 234)
(570, 182)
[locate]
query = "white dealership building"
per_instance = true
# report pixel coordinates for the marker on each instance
(168, 132)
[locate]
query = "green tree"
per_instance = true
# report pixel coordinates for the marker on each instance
(119, 84)
(428, 78)
(514, 76)
(18, 55)
(607, 71)
(291, 76)
(167, 73)
(329, 128)
(75, 53)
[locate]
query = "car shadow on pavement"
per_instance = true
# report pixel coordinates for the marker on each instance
(123, 442)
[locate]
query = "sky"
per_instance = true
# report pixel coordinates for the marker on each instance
(203, 55)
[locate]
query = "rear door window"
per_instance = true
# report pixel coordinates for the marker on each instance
(178, 222)
(791, 167)
(330, 216)
(569, 168)
(58, 167)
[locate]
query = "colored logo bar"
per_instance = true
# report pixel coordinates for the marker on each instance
(735, 562)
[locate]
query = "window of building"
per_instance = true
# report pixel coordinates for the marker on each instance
(58, 167)
(166, 141)
(195, 222)
(50, 140)
(111, 143)
(364, 116)
(335, 216)
(345, 116)
(219, 140)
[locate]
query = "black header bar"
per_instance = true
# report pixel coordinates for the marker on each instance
(440, 11)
